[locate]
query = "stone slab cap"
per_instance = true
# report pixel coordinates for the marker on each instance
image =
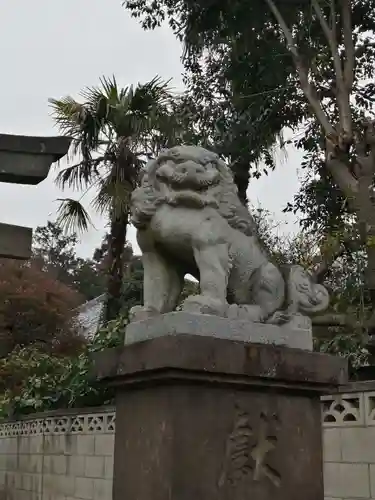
(297, 334)
(27, 159)
(213, 360)
(15, 242)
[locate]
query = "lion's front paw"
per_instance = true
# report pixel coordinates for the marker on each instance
(202, 304)
(279, 318)
(138, 313)
(246, 312)
(290, 320)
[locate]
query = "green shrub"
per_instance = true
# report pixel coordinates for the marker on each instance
(34, 381)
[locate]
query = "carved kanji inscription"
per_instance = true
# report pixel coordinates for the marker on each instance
(247, 450)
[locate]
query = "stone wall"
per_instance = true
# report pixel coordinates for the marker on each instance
(69, 455)
(349, 443)
(58, 456)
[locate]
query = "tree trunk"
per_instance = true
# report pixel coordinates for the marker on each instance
(362, 202)
(117, 240)
(366, 220)
(241, 177)
(124, 172)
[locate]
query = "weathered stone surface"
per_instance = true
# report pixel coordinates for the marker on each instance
(210, 419)
(190, 221)
(178, 323)
(15, 241)
(184, 442)
(26, 159)
(205, 358)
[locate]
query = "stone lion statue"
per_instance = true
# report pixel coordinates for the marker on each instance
(190, 220)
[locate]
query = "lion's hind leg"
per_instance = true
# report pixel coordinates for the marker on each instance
(266, 295)
(268, 290)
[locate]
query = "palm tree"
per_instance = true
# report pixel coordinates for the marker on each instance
(113, 130)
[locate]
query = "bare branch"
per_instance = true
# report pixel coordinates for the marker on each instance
(348, 243)
(288, 34)
(332, 42)
(366, 164)
(333, 19)
(324, 267)
(349, 66)
(341, 173)
(343, 90)
(343, 178)
(307, 88)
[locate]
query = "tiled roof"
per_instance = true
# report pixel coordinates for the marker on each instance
(89, 315)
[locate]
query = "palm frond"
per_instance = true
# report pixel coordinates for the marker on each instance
(114, 124)
(128, 162)
(97, 103)
(72, 216)
(80, 175)
(110, 89)
(103, 100)
(149, 95)
(83, 122)
(113, 195)
(138, 108)
(68, 115)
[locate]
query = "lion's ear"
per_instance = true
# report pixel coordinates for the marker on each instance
(150, 170)
(142, 177)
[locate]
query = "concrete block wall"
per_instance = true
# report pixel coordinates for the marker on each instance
(349, 443)
(58, 456)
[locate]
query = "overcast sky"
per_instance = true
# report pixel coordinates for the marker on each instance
(51, 49)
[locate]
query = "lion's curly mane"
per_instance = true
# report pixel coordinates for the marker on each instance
(148, 198)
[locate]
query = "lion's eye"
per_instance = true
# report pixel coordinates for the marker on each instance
(163, 171)
(160, 172)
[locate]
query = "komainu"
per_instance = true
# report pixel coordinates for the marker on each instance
(190, 220)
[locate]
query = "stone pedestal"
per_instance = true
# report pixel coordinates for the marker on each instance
(296, 333)
(202, 418)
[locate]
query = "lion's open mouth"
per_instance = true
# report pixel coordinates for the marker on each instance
(184, 178)
(188, 198)
(199, 184)
(193, 186)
